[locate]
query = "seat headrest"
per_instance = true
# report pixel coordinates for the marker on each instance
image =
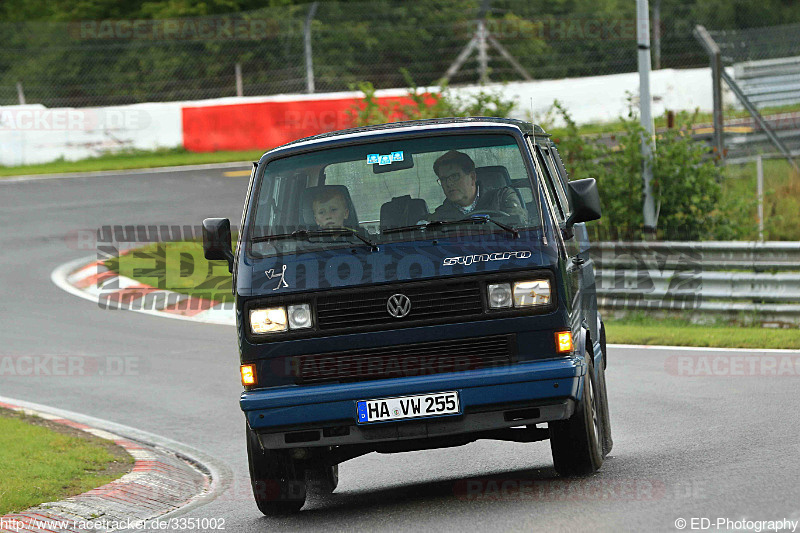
(403, 211)
(493, 177)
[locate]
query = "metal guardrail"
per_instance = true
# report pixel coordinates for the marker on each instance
(756, 282)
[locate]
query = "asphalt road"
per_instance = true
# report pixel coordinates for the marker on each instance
(685, 446)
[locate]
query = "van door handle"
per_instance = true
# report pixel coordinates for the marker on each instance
(578, 261)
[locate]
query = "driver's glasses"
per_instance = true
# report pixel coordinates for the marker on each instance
(452, 178)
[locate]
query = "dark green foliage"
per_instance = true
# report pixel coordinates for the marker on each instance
(352, 41)
(425, 105)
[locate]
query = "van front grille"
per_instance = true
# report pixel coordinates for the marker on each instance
(405, 360)
(428, 302)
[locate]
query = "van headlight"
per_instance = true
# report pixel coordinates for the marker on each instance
(499, 295)
(270, 320)
(531, 293)
(519, 294)
(280, 319)
(299, 316)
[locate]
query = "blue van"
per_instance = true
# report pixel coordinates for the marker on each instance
(410, 286)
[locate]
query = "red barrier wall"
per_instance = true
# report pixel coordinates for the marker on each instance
(265, 125)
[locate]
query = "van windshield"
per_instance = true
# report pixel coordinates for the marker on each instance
(392, 191)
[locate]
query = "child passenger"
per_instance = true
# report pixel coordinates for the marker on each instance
(330, 209)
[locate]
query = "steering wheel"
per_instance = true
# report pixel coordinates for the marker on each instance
(490, 213)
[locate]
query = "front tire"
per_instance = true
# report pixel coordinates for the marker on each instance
(608, 442)
(278, 481)
(323, 479)
(576, 443)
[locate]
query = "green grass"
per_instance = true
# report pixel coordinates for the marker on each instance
(132, 160)
(40, 465)
(178, 267)
(680, 332)
(616, 126)
(781, 197)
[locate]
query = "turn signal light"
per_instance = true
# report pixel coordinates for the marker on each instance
(564, 342)
(248, 374)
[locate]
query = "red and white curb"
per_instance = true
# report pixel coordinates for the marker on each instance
(90, 279)
(161, 481)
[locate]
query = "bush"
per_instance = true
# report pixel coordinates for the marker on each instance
(686, 183)
(423, 105)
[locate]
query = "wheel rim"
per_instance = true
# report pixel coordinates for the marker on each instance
(593, 403)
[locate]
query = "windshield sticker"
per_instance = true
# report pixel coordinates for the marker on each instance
(388, 159)
(479, 258)
(272, 275)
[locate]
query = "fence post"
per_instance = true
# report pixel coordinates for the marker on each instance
(646, 116)
(307, 41)
(760, 187)
(657, 35)
(714, 54)
(239, 87)
(20, 93)
(483, 57)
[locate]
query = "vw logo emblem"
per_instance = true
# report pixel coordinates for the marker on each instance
(399, 305)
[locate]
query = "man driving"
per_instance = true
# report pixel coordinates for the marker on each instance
(456, 172)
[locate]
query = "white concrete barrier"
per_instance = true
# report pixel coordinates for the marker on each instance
(605, 98)
(35, 134)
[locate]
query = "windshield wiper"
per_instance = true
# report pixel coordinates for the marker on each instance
(482, 219)
(475, 219)
(307, 234)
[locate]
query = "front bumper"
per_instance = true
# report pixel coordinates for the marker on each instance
(325, 415)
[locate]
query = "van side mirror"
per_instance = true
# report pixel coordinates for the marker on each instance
(585, 201)
(217, 240)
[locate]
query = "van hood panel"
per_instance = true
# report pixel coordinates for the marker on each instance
(402, 261)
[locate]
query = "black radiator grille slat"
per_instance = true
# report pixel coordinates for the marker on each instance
(432, 292)
(454, 299)
(404, 360)
(346, 321)
(427, 308)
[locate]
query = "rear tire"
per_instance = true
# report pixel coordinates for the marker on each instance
(576, 443)
(278, 481)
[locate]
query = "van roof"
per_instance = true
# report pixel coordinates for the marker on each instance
(526, 127)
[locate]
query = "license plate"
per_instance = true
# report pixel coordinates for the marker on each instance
(419, 406)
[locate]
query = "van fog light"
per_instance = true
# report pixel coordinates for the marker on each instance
(530, 293)
(499, 295)
(299, 316)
